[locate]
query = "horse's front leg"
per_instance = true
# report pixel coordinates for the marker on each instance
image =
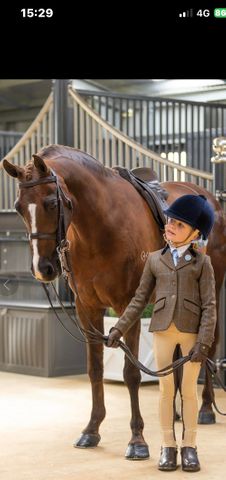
(90, 436)
(137, 448)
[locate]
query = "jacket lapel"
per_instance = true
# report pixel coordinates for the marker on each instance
(186, 259)
(167, 258)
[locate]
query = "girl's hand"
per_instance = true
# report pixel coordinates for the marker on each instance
(199, 352)
(113, 337)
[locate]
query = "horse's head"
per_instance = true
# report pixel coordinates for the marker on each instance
(46, 212)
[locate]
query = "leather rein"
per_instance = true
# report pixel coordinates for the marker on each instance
(93, 335)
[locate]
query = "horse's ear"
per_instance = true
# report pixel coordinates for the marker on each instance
(40, 164)
(13, 170)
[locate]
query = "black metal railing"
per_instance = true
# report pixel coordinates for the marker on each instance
(176, 129)
(7, 141)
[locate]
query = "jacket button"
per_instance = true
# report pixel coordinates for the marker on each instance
(173, 296)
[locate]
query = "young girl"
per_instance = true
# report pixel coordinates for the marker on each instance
(184, 314)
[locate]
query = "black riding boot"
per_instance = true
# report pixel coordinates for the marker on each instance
(189, 459)
(168, 458)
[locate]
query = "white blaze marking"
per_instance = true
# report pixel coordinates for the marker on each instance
(32, 210)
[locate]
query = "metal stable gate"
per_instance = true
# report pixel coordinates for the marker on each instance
(7, 141)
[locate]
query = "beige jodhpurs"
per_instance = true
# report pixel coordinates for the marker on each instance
(164, 346)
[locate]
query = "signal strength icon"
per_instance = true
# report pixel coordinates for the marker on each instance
(187, 13)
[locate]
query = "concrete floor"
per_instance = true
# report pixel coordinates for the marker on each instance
(40, 418)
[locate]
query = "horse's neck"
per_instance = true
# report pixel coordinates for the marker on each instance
(89, 196)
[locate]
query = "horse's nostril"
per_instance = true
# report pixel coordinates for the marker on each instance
(49, 270)
(45, 267)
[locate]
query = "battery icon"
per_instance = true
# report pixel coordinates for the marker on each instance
(219, 12)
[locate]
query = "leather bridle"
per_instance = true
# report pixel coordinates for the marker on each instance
(62, 244)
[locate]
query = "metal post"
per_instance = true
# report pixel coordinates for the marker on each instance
(63, 127)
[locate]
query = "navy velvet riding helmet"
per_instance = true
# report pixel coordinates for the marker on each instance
(194, 210)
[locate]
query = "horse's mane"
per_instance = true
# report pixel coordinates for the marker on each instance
(29, 171)
(55, 151)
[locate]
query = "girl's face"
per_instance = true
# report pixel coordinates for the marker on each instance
(179, 232)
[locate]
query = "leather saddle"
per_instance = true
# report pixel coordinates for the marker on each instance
(145, 174)
(145, 181)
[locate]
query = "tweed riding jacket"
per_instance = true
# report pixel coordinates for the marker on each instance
(185, 295)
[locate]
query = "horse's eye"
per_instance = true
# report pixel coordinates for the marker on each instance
(51, 205)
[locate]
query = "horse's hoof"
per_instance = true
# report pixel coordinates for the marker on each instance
(137, 452)
(87, 440)
(206, 418)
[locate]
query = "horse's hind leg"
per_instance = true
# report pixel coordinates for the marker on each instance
(90, 436)
(137, 448)
(206, 413)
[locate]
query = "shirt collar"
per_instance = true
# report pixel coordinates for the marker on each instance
(180, 250)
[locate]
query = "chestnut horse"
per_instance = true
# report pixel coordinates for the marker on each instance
(110, 228)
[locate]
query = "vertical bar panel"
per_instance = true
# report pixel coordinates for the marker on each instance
(127, 157)
(153, 126)
(204, 137)
(147, 124)
(186, 135)
(216, 114)
(167, 130)
(33, 146)
(127, 117)
(94, 139)
(106, 107)
(141, 122)
(99, 105)
(134, 119)
(21, 157)
(113, 112)
(7, 186)
(192, 136)
(114, 152)
(88, 136)
(44, 132)
(81, 128)
(75, 124)
(107, 150)
(120, 114)
(160, 127)
(39, 137)
(100, 144)
(134, 161)
(51, 138)
(173, 127)
(27, 151)
(198, 161)
(179, 132)
(120, 154)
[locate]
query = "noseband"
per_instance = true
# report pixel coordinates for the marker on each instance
(60, 234)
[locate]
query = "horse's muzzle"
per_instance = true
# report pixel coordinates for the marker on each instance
(48, 270)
